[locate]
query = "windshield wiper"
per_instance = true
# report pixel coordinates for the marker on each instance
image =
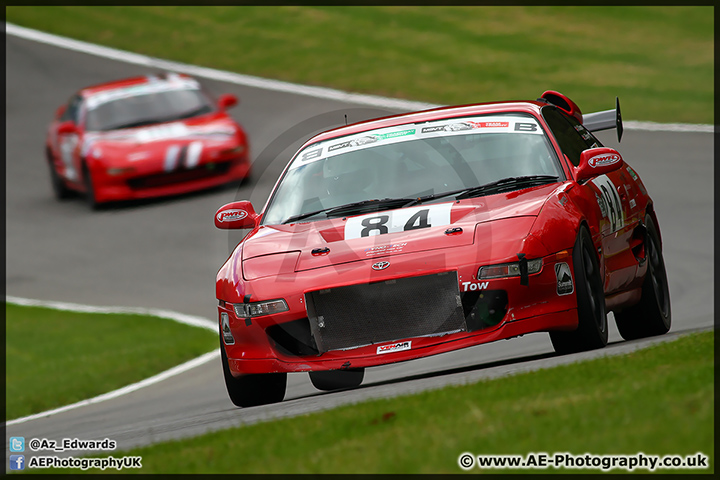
(192, 113)
(140, 123)
(507, 184)
(355, 207)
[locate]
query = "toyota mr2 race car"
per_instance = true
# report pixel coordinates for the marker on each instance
(144, 137)
(423, 233)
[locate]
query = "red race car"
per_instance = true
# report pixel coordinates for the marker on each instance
(423, 233)
(144, 137)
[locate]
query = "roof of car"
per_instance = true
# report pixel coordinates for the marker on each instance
(529, 106)
(128, 82)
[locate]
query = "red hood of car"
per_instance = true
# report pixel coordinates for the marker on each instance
(524, 205)
(210, 128)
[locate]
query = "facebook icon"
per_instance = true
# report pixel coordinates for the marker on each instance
(17, 462)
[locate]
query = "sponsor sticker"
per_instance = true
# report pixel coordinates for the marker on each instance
(394, 347)
(403, 133)
(632, 172)
(473, 286)
(384, 249)
(604, 159)
(231, 215)
(564, 279)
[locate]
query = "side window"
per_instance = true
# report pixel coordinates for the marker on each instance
(572, 137)
(73, 109)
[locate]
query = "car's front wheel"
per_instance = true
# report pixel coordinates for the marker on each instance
(253, 389)
(60, 191)
(651, 316)
(592, 331)
(336, 379)
(90, 198)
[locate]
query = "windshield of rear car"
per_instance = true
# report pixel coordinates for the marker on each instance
(410, 161)
(145, 104)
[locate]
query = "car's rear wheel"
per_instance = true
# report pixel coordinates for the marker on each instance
(60, 190)
(652, 315)
(337, 379)
(592, 331)
(253, 389)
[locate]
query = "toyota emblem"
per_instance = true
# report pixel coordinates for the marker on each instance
(380, 265)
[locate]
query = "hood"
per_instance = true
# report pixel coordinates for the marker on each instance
(392, 232)
(207, 130)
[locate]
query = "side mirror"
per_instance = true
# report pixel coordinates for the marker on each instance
(597, 161)
(236, 215)
(67, 127)
(227, 100)
(59, 112)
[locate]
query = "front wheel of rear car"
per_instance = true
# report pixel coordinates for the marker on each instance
(592, 331)
(337, 379)
(651, 316)
(253, 389)
(90, 198)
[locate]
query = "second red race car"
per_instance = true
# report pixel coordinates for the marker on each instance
(142, 137)
(428, 232)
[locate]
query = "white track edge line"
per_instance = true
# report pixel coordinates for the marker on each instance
(280, 86)
(155, 312)
(124, 390)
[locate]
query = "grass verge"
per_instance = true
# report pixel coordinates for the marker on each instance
(657, 59)
(658, 401)
(55, 358)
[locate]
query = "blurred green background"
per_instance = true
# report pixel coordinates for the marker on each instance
(657, 59)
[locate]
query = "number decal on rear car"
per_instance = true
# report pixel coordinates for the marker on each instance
(400, 220)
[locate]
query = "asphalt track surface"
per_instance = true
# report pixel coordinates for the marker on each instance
(165, 254)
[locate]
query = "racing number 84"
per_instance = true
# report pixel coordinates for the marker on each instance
(418, 220)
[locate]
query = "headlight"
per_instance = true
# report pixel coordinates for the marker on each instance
(508, 269)
(258, 309)
(233, 151)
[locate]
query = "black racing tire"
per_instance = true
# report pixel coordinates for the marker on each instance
(652, 315)
(328, 380)
(90, 198)
(592, 331)
(252, 389)
(60, 190)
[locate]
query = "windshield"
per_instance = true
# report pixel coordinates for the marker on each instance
(411, 161)
(144, 105)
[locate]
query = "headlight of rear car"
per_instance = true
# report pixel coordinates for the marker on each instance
(508, 269)
(258, 309)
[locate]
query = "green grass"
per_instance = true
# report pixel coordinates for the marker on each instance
(658, 60)
(657, 401)
(55, 358)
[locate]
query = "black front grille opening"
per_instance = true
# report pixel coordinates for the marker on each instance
(484, 309)
(371, 313)
(179, 176)
(293, 338)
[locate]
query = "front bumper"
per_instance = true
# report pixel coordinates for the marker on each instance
(475, 312)
(158, 184)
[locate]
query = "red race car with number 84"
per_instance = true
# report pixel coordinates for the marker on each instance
(422, 233)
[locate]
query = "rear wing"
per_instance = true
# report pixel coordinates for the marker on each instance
(605, 120)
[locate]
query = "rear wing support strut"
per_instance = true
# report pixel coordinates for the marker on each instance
(605, 120)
